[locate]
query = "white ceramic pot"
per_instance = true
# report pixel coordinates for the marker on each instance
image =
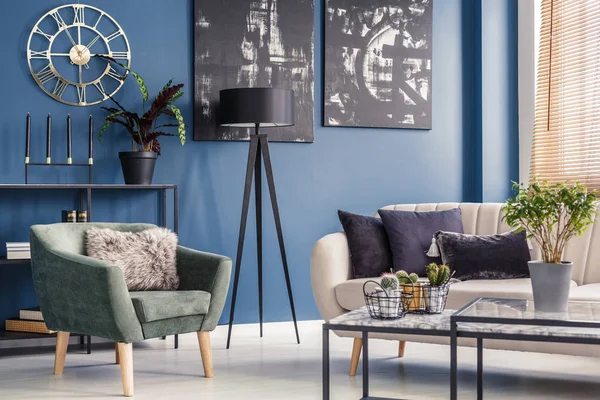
(551, 284)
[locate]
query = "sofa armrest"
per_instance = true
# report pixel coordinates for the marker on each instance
(209, 272)
(83, 295)
(330, 265)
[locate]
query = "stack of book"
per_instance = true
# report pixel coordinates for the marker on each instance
(30, 320)
(18, 251)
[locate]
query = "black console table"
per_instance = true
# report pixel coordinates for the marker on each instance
(86, 190)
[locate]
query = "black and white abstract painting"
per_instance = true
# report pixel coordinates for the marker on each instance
(378, 56)
(253, 43)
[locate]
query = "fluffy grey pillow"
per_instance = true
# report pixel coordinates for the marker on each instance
(147, 258)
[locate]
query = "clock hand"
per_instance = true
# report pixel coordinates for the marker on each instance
(90, 44)
(70, 37)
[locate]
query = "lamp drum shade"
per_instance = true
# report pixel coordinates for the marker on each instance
(247, 107)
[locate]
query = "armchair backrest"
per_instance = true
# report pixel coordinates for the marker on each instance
(70, 237)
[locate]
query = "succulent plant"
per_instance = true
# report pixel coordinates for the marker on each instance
(413, 277)
(402, 276)
(405, 278)
(389, 282)
(443, 274)
(438, 274)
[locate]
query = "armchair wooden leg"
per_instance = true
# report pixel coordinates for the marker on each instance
(356, 349)
(62, 341)
(401, 347)
(125, 351)
(205, 353)
(117, 359)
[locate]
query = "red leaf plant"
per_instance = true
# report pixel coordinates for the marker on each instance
(145, 130)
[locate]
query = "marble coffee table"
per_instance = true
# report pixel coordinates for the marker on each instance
(360, 321)
(509, 319)
(504, 319)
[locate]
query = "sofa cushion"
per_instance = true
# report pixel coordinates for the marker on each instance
(502, 256)
(350, 296)
(368, 243)
(410, 235)
(590, 292)
(154, 306)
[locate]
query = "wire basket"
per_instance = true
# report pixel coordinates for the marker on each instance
(426, 299)
(384, 305)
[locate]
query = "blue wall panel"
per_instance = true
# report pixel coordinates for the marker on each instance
(499, 94)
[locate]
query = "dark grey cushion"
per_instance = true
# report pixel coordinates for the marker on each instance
(502, 256)
(410, 235)
(368, 243)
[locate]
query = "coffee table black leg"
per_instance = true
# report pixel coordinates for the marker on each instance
(89, 344)
(453, 361)
(365, 371)
(479, 368)
(325, 363)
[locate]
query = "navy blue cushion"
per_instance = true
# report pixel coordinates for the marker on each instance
(368, 243)
(502, 256)
(410, 235)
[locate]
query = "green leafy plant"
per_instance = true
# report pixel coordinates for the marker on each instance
(145, 130)
(406, 278)
(551, 214)
(389, 282)
(438, 275)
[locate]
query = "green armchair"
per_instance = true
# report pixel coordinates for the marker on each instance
(80, 294)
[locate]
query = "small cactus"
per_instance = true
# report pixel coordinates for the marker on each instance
(405, 278)
(443, 274)
(389, 282)
(402, 276)
(438, 274)
(413, 277)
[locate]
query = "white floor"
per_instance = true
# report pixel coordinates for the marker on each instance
(274, 367)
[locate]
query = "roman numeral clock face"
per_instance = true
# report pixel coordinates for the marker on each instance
(62, 50)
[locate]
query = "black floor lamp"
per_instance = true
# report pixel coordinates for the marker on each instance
(258, 108)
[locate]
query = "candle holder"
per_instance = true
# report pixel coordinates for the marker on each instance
(69, 162)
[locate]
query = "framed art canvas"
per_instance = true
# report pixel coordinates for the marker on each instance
(378, 63)
(253, 43)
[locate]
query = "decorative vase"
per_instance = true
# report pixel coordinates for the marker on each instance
(551, 284)
(416, 290)
(138, 166)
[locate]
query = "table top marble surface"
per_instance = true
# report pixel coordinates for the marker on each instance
(520, 314)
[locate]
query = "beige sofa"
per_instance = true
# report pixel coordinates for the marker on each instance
(336, 292)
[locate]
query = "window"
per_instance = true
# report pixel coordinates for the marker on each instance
(566, 139)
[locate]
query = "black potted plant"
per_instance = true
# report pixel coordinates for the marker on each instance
(144, 131)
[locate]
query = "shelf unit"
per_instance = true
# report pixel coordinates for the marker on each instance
(10, 335)
(86, 190)
(5, 261)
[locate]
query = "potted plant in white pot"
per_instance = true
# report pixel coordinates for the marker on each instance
(145, 129)
(436, 293)
(551, 214)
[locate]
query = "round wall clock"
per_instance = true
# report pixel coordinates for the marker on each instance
(62, 50)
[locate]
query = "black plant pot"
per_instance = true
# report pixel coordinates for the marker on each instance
(138, 166)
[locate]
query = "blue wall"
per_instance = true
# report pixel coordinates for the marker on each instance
(353, 169)
(499, 99)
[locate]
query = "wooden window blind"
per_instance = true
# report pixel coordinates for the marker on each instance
(566, 141)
